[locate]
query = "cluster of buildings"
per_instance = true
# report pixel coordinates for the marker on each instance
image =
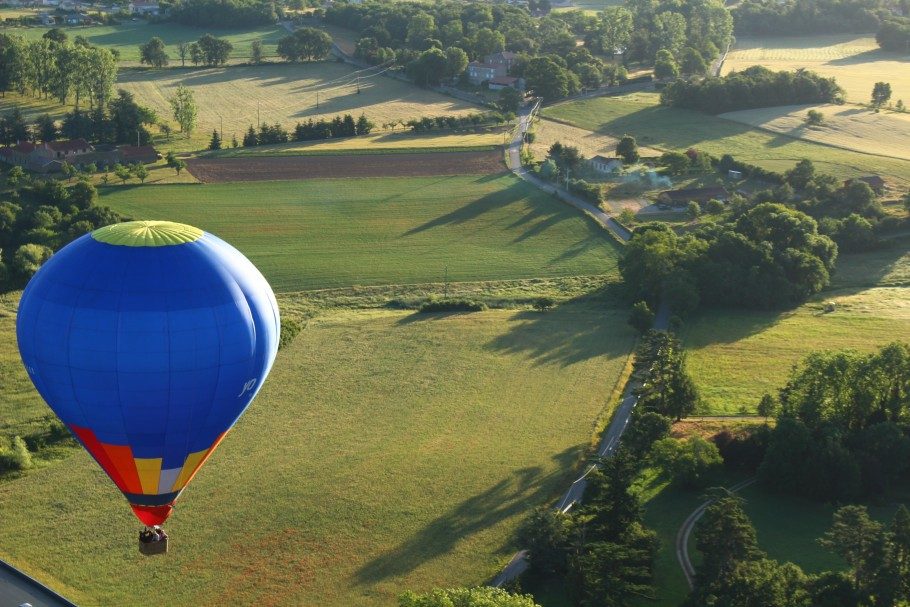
(49, 157)
(494, 71)
(84, 12)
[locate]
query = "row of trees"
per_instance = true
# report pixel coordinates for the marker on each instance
(208, 50)
(225, 13)
(735, 571)
(51, 68)
(311, 130)
(756, 86)
(807, 17)
(894, 34)
(468, 121)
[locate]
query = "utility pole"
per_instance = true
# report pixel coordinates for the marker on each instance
(258, 123)
(317, 100)
(358, 85)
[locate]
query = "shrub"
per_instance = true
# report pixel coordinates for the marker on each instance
(452, 305)
(16, 458)
(290, 328)
(641, 318)
(689, 462)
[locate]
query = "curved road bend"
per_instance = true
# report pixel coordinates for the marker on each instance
(682, 536)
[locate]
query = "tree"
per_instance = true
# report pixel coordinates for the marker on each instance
(767, 406)
(429, 68)
(256, 52)
(881, 94)
(483, 596)
(693, 64)
(814, 118)
(665, 66)
(183, 50)
(420, 27)
(55, 34)
(725, 537)
(547, 535)
(140, 171)
(28, 258)
(46, 128)
(15, 177)
(614, 30)
(456, 61)
(153, 53)
(213, 51)
(487, 41)
(183, 105)
(307, 43)
(589, 74)
(250, 138)
(801, 175)
(363, 126)
(677, 163)
(641, 318)
(693, 209)
(627, 149)
(509, 100)
(122, 173)
(179, 165)
(688, 462)
(548, 79)
(215, 142)
(669, 32)
(195, 51)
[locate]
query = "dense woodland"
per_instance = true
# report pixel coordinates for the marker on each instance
(808, 17)
(753, 87)
(224, 13)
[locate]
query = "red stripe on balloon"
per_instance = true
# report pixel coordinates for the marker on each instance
(96, 450)
(208, 454)
(122, 458)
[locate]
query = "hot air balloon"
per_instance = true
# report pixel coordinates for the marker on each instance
(148, 339)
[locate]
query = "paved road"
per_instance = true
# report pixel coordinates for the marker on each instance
(16, 588)
(682, 536)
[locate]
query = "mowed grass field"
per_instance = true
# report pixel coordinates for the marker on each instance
(736, 356)
(653, 125)
(548, 132)
(341, 232)
(128, 35)
(282, 93)
(387, 451)
(855, 61)
(845, 126)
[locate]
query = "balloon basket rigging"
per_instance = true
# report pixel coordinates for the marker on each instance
(152, 542)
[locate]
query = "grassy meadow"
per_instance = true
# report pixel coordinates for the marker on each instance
(653, 125)
(331, 233)
(735, 356)
(365, 467)
(548, 132)
(854, 60)
(849, 127)
(285, 94)
(126, 37)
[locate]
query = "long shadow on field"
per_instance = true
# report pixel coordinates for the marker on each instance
(570, 333)
(517, 493)
(533, 217)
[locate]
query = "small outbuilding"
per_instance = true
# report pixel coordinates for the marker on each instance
(602, 164)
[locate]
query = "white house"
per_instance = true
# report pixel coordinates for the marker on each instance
(602, 164)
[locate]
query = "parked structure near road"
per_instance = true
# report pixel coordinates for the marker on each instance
(494, 70)
(602, 164)
(49, 157)
(678, 198)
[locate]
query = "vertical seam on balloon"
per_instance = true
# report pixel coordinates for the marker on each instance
(117, 348)
(170, 371)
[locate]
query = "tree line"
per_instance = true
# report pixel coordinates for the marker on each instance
(432, 41)
(754, 87)
(894, 34)
(225, 13)
(807, 17)
(311, 130)
(54, 68)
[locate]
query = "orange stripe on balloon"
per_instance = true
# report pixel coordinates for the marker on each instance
(206, 456)
(96, 450)
(122, 457)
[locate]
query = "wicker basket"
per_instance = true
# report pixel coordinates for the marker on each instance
(153, 548)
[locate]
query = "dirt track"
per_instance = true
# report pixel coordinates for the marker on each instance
(272, 168)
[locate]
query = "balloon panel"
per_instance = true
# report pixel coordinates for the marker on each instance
(149, 354)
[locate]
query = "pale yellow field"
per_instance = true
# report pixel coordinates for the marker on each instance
(548, 132)
(285, 94)
(855, 61)
(845, 126)
(376, 142)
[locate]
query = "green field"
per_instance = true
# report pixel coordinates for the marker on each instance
(640, 115)
(127, 36)
(374, 460)
(856, 61)
(330, 233)
(736, 356)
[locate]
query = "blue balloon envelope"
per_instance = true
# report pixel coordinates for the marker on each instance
(148, 339)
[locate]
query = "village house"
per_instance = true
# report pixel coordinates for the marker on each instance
(143, 7)
(605, 165)
(679, 198)
(494, 69)
(49, 157)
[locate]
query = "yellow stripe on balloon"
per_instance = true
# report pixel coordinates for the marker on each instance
(149, 470)
(189, 466)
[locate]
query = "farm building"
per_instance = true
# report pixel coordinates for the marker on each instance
(500, 82)
(680, 198)
(49, 157)
(874, 181)
(602, 164)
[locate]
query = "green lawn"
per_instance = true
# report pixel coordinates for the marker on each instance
(640, 115)
(127, 36)
(735, 355)
(387, 451)
(331, 233)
